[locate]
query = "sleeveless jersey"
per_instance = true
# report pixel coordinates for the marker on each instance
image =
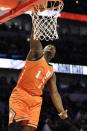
(34, 76)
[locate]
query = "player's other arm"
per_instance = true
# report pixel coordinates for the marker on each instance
(56, 98)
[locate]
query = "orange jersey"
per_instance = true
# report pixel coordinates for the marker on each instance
(34, 76)
(25, 101)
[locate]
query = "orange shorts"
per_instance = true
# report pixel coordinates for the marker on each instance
(24, 107)
(8, 4)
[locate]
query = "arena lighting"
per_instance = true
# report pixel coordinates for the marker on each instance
(77, 2)
(59, 68)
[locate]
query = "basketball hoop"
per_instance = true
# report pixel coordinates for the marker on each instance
(45, 27)
(54, 4)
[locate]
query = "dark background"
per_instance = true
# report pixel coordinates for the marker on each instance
(72, 42)
(71, 49)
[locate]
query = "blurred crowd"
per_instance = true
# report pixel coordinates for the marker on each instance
(74, 99)
(5, 91)
(69, 47)
(16, 49)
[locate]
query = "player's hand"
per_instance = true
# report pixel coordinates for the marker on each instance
(63, 114)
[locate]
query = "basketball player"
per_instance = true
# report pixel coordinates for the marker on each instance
(25, 101)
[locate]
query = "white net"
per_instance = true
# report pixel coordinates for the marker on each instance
(45, 27)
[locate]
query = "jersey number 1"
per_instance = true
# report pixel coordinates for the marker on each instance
(38, 74)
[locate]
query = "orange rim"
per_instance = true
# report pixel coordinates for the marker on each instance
(51, 8)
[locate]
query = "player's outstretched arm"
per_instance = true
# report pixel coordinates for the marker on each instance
(56, 98)
(36, 49)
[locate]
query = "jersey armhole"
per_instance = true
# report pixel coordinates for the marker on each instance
(51, 76)
(49, 64)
